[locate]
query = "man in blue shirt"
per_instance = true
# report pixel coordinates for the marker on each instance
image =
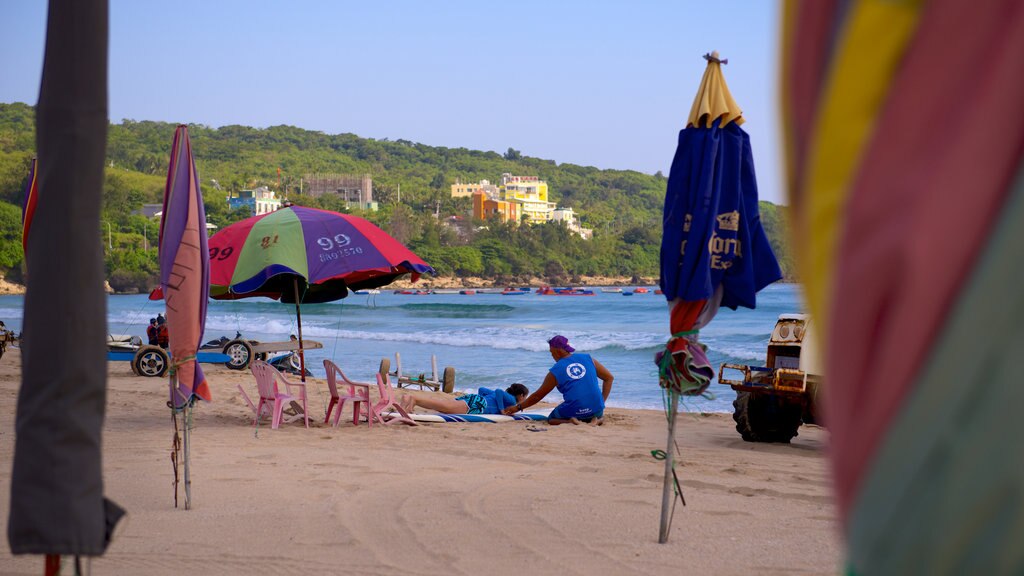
(575, 375)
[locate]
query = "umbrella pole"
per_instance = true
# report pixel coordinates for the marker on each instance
(298, 315)
(669, 488)
(186, 433)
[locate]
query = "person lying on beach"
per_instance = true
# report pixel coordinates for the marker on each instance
(575, 376)
(485, 401)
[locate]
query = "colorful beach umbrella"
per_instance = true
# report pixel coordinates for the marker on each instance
(905, 158)
(184, 270)
(714, 251)
(28, 205)
(57, 506)
(305, 255)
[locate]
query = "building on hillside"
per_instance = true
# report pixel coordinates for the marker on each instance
(572, 222)
(259, 201)
(460, 190)
(484, 208)
(531, 193)
(355, 191)
(149, 210)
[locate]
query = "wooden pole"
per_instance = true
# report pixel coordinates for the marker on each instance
(298, 315)
(185, 442)
(668, 492)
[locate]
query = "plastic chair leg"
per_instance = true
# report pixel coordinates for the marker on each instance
(278, 409)
(337, 417)
(331, 407)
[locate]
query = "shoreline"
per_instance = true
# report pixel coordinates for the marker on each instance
(429, 282)
(429, 498)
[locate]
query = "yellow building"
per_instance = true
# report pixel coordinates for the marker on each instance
(531, 194)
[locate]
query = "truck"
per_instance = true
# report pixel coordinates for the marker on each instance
(774, 400)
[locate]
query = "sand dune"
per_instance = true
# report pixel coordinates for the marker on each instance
(451, 498)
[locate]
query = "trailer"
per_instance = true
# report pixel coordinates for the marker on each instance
(6, 337)
(236, 354)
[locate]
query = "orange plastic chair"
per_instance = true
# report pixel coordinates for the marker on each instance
(271, 397)
(387, 410)
(358, 393)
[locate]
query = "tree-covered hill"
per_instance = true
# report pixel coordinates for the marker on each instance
(622, 207)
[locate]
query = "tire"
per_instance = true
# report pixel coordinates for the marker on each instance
(240, 352)
(151, 362)
(385, 367)
(448, 380)
(764, 417)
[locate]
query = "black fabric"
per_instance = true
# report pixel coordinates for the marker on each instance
(57, 503)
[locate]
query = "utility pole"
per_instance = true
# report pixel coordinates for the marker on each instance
(399, 193)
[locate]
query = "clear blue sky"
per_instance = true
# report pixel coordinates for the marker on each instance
(606, 84)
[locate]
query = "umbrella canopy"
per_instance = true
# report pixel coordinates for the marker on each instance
(329, 253)
(713, 246)
(184, 269)
(28, 205)
(56, 500)
(906, 177)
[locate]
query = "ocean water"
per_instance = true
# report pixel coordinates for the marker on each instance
(491, 340)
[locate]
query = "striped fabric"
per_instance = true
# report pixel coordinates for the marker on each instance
(904, 157)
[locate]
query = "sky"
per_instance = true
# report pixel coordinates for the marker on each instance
(591, 82)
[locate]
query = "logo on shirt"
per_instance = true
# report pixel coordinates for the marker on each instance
(576, 371)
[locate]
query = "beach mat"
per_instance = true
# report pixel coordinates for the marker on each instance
(490, 418)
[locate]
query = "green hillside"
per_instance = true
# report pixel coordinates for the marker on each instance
(622, 207)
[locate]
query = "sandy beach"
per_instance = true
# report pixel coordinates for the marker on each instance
(442, 498)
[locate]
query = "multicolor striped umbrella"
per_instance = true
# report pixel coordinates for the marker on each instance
(905, 159)
(184, 270)
(326, 252)
(298, 254)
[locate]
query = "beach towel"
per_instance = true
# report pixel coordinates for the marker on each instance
(468, 418)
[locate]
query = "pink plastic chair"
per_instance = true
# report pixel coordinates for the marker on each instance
(358, 393)
(266, 381)
(385, 409)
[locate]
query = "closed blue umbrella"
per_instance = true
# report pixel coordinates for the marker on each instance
(714, 251)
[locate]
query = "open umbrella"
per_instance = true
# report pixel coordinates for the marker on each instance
(714, 251)
(184, 282)
(906, 178)
(298, 254)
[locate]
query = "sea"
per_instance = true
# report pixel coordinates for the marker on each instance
(491, 340)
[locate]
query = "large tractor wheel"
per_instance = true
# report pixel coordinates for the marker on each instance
(448, 380)
(240, 352)
(151, 361)
(766, 418)
(385, 367)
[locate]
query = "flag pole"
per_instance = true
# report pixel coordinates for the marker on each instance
(669, 486)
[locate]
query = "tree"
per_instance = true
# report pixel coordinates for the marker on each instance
(10, 236)
(513, 155)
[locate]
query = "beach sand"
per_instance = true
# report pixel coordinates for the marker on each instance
(442, 498)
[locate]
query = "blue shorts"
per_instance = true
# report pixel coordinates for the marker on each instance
(475, 403)
(565, 411)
